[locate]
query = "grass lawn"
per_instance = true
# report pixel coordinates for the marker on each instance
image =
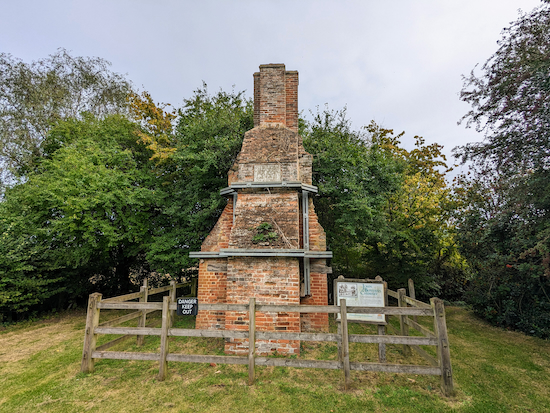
(494, 371)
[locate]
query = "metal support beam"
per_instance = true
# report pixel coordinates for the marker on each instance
(235, 196)
(258, 185)
(307, 278)
(305, 210)
(261, 252)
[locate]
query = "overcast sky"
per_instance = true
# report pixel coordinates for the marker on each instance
(396, 62)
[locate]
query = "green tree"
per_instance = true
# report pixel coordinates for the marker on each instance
(504, 216)
(511, 98)
(82, 218)
(355, 179)
(109, 197)
(193, 168)
(384, 209)
(35, 96)
(419, 241)
(504, 235)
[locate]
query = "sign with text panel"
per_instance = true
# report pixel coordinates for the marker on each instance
(359, 293)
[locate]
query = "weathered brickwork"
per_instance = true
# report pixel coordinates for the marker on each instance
(219, 236)
(317, 235)
(272, 153)
(280, 210)
(212, 290)
(212, 272)
(271, 281)
(319, 296)
(291, 79)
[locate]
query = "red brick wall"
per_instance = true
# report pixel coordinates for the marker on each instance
(270, 281)
(318, 280)
(219, 236)
(272, 94)
(277, 146)
(317, 235)
(291, 80)
(276, 96)
(212, 289)
(212, 271)
(256, 99)
(319, 296)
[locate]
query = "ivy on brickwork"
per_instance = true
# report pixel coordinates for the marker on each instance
(264, 234)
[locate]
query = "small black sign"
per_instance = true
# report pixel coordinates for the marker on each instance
(188, 306)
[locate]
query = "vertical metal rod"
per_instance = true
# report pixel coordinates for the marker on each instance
(305, 210)
(305, 232)
(307, 276)
(235, 195)
(251, 339)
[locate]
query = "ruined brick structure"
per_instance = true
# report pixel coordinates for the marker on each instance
(267, 243)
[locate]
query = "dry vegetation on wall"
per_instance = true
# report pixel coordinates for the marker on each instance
(495, 371)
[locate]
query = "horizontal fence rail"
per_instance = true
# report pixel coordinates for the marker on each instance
(122, 303)
(439, 366)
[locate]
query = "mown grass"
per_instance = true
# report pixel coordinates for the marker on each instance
(494, 371)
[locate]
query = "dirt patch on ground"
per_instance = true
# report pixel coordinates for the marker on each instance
(18, 345)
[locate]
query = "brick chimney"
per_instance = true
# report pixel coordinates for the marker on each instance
(267, 243)
(276, 97)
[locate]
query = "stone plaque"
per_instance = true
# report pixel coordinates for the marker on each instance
(267, 173)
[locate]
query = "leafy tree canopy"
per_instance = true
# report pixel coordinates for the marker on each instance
(35, 96)
(503, 214)
(192, 166)
(511, 98)
(81, 219)
(108, 198)
(385, 209)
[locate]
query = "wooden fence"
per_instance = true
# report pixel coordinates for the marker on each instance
(407, 307)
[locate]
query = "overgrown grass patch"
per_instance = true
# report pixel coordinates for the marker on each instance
(494, 370)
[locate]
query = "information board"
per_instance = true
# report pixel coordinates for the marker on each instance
(359, 293)
(187, 306)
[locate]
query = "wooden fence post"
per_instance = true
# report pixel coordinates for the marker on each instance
(143, 318)
(381, 346)
(173, 300)
(404, 327)
(345, 343)
(251, 340)
(90, 338)
(164, 337)
(339, 342)
(412, 294)
(443, 350)
(382, 327)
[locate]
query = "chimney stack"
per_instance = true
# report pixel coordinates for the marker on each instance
(276, 97)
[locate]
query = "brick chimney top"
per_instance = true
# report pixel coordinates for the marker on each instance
(276, 97)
